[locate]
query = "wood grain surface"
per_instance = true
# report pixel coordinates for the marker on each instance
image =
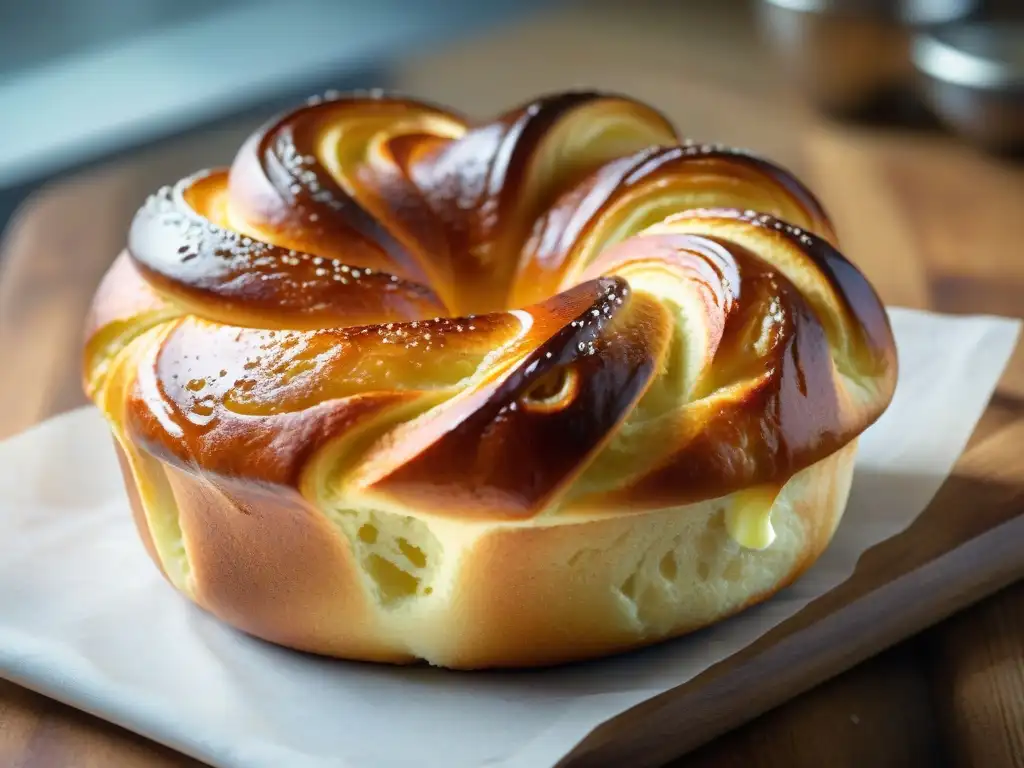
(931, 221)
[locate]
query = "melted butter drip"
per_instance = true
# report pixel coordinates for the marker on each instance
(749, 520)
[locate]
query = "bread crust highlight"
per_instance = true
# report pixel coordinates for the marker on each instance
(401, 386)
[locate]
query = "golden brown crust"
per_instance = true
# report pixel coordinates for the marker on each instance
(664, 180)
(518, 579)
(138, 507)
(516, 596)
(387, 332)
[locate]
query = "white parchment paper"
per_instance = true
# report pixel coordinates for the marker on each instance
(85, 618)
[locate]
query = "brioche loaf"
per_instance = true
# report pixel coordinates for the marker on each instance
(397, 386)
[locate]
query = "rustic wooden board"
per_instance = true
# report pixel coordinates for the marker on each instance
(930, 221)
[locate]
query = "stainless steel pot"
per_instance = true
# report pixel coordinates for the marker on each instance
(847, 54)
(972, 78)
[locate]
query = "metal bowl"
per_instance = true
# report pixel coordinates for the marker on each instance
(846, 55)
(972, 77)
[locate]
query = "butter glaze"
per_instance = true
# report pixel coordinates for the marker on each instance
(383, 280)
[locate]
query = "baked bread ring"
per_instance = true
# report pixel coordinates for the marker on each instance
(399, 387)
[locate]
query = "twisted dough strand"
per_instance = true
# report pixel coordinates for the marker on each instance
(562, 310)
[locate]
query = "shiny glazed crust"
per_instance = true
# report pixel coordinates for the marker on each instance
(397, 386)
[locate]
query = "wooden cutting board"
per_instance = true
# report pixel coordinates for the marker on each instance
(929, 220)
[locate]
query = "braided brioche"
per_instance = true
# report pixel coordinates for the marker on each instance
(396, 386)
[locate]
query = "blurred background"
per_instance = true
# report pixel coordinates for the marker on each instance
(102, 101)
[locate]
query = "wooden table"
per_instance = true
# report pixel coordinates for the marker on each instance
(932, 222)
